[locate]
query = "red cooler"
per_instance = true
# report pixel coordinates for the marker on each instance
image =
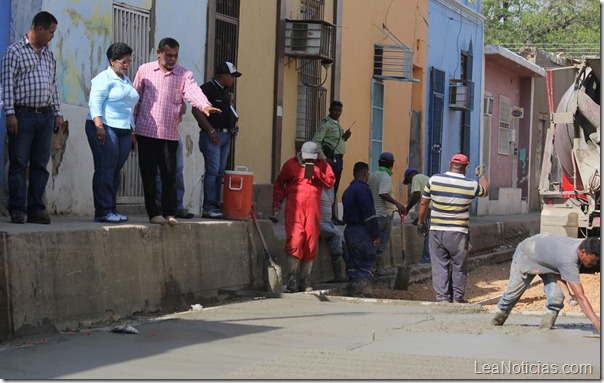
(237, 196)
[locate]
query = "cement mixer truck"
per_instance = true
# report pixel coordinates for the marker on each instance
(570, 175)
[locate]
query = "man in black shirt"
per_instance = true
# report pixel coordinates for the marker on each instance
(215, 143)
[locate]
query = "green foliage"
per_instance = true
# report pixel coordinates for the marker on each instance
(569, 26)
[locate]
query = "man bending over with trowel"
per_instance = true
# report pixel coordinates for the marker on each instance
(556, 259)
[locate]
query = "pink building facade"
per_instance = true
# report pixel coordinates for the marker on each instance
(507, 123)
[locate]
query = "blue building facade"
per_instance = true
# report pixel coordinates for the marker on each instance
(454, 91)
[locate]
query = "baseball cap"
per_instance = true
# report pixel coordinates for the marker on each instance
(460, 159)
(387, 156)
(407, 172)
(310, 150)
(227, 68)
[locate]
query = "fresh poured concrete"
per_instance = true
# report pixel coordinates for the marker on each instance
(303, 336)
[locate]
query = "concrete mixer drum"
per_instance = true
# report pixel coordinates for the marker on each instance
(571, 199)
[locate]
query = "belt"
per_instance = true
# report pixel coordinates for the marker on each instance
(43, 109)
(224, 130)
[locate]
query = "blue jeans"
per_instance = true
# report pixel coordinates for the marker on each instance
(30, 146)
(385, 225)
(180, 180)
(108, 159)
(215, 157)
(518, 284)
(335, 238)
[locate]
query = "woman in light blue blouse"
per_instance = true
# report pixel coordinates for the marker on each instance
(110, 130)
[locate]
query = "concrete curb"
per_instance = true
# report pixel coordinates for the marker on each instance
(76, 272)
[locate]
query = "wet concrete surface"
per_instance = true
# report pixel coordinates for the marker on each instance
(302, 336)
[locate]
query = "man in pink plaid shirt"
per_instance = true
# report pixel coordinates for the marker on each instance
(162, 85)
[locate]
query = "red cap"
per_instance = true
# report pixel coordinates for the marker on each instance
(460, 159)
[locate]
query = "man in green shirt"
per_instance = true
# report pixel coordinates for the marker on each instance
(331, 139)
(418, 182)
(382, 190)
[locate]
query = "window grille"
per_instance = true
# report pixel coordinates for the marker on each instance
(377, 123)
(311, 110)
(503, 136)
(223, 30)
(131, 26)
(226, 33)
(228, 8)
(311, 95)
(312, 9)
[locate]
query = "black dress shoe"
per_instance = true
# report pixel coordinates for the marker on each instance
(17, 217)
(39, 217)
(184, 213)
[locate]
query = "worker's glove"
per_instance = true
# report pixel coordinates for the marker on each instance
(480, 170)
(422, 230)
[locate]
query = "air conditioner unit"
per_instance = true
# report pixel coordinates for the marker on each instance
(461, 95)
(309, 39)
(488, 106)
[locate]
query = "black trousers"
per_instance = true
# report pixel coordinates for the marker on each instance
(337, 167)
(154, 153)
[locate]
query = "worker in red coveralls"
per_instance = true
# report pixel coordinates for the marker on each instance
(301, 182)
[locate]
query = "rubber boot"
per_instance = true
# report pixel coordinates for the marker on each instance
(339, 269)
(355, 287)
(292, 273)
(305, 269)
(499, 318)
(548, 320)
(380, 271)
(359, 288)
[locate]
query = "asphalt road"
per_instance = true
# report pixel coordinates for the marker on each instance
(304, 336)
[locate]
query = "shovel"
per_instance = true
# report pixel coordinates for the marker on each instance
(404, 271)
(275, 276)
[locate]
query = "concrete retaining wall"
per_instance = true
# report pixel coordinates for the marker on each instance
(55, 277)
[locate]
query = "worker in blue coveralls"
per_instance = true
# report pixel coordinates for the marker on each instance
(362, 233)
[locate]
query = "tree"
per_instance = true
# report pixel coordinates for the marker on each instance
(568, 26)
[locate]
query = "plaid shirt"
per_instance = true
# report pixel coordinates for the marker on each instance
(29, 79)
(157, 114)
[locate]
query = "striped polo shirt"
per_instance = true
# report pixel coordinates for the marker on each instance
(380, 182)
(451, 195)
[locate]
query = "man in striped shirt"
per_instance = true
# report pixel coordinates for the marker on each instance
(162, 85)
(31, 103)
(451, 194)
